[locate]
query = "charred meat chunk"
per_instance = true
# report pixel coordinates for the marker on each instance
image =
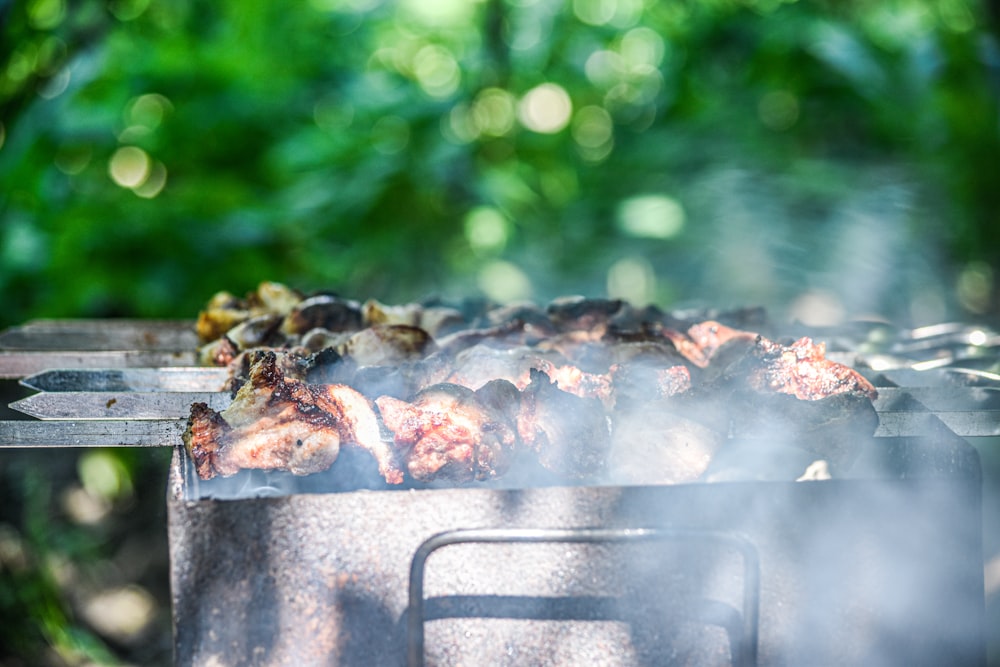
(447, 432)
(385, 344)
(802, 370)
(569, 433)
(224, 311)
(276, 423)
(323, 311)
(793, 394)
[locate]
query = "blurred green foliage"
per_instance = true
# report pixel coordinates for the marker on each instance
(153, 152)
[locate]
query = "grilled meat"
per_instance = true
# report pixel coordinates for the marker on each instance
(802, 370)
(586, 388)
(224, 311)
(278, 423)
(435, 320)
(386, 344)
(794, 396)
(447, 432)
(569, 433)
(323, 311)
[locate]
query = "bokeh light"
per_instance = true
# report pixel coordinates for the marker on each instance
(632, 279)
(593, 132)
(436, 70)
(651, 217)
(129, 166)
(545, 109)
(486, 229)
(504, 282)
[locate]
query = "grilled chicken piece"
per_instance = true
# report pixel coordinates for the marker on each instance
(447, 432)
(793, 395)
(276, 423)
(385, 344)
(323, 311)
(577, 313)
(802, 370)
(432, 319)
(224, 311)
(568, 432)
(477, 365)
(220, 352)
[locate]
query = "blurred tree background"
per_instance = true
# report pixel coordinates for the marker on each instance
(824, 159)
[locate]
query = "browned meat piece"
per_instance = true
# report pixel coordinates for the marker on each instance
(577, 313)
(571, 379)
(704, 340)
(323, 311)
(480, 364)
(672, 381)
(203, 438)
(276, 423)
(569, 433)
(385, 344)
(446, 432)
(793, 395)
(258, 331)
(219, 352)
(512, 333)
(802, 370)
(224, 311)
(432, 319)
(527, 317)
(710, 337)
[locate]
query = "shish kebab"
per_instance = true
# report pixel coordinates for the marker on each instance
(162, 410)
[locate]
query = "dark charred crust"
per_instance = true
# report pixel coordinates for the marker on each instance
(324, 311)
(579, 313)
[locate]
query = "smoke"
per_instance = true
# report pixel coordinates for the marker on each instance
(879, 566)
(865, 250)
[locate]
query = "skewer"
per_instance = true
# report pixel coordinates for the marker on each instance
(40, 345)
(176, 378)
(15, 365)
(969, 412)
(94, 335)
(154, 433)
(82, 405)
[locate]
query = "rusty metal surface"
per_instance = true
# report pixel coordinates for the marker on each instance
(856, 571)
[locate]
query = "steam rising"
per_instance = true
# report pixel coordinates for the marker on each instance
(880, 565)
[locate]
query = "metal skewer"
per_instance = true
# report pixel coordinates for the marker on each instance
(93, 335)
(170, 378)
(968, 411)
(154, 433)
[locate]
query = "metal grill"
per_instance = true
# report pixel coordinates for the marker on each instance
(881, 567)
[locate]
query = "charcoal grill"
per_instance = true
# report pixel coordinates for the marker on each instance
(881, 566)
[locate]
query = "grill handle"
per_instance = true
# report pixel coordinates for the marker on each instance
(745, 654)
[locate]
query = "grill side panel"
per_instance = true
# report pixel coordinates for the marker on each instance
(853, 571)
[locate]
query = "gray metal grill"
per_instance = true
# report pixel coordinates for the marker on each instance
(882, 566)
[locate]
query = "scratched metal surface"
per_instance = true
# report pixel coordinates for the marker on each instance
(874, 570)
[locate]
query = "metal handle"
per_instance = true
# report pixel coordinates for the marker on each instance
(746, 650)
